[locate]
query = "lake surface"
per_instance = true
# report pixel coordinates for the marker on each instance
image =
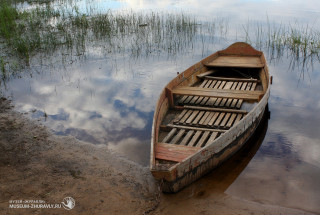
(110, 98)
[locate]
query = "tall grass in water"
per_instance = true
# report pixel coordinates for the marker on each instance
(8, 17)
(300, 41)
(45, 29)
(25, 32)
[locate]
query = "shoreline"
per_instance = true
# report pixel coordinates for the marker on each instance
(38, 165)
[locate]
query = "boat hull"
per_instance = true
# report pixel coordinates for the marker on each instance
(191, 168)
(212, 162)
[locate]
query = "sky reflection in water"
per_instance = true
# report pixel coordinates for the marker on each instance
(110, 100)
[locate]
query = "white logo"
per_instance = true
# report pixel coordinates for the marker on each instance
(68, 203)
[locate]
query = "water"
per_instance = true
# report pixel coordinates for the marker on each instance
(110, 98)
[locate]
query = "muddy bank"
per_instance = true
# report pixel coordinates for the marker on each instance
(36, 165)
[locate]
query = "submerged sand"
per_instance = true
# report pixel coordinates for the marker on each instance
(37, 165)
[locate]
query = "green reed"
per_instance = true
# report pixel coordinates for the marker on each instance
(47, 30)
(44, 30)
(301, 41)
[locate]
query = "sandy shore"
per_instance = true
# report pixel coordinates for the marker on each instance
(37, 165)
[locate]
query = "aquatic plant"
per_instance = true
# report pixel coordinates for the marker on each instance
(301, 41)
(44, 30)
(2, 67)
(48, 30)
(8, 16)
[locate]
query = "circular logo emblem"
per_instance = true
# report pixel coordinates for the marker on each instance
(68, 203)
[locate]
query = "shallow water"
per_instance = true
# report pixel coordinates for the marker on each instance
(110, 100)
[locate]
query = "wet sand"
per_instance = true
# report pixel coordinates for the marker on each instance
(37, 165)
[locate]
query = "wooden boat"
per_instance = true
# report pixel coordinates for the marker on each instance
(206, 114)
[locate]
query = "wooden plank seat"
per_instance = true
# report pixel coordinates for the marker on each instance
(228, 79)
(219, 93)
(212, 109)
(218, 102)
(174, 152)
(236, 61)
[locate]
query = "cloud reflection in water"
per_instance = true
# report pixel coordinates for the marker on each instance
(111, 101)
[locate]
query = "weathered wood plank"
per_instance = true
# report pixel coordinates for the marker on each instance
(213, 119)
(249, 87)
(230, 122)
(234, 101)
(204, 117)
(192, 116)
(177, 119)
(208, 84)
(197, 119)
(170, 135)
(169, 95)
(222, 86)
(253, 87)
(195, 138)
(219, 93)
(195, 98)
(231, 79)
(208, 118)
(237, 61)
(218, 121)
(185, 117)
(204, 100)
(225, 120)
(199, 100)
(203, 139)
(212, 137)
(178, 136)
(187, 137)
(244, 86)
(217, 85)
(214, 82)
(182, 99)
(227, 86)
(188, 99)
(239, 116)
(203, 83)
(195, 128)
(229, 101)
(211, 101)
(173, 152)
(202, 75)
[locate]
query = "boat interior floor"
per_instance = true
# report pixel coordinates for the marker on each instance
(198, 119)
